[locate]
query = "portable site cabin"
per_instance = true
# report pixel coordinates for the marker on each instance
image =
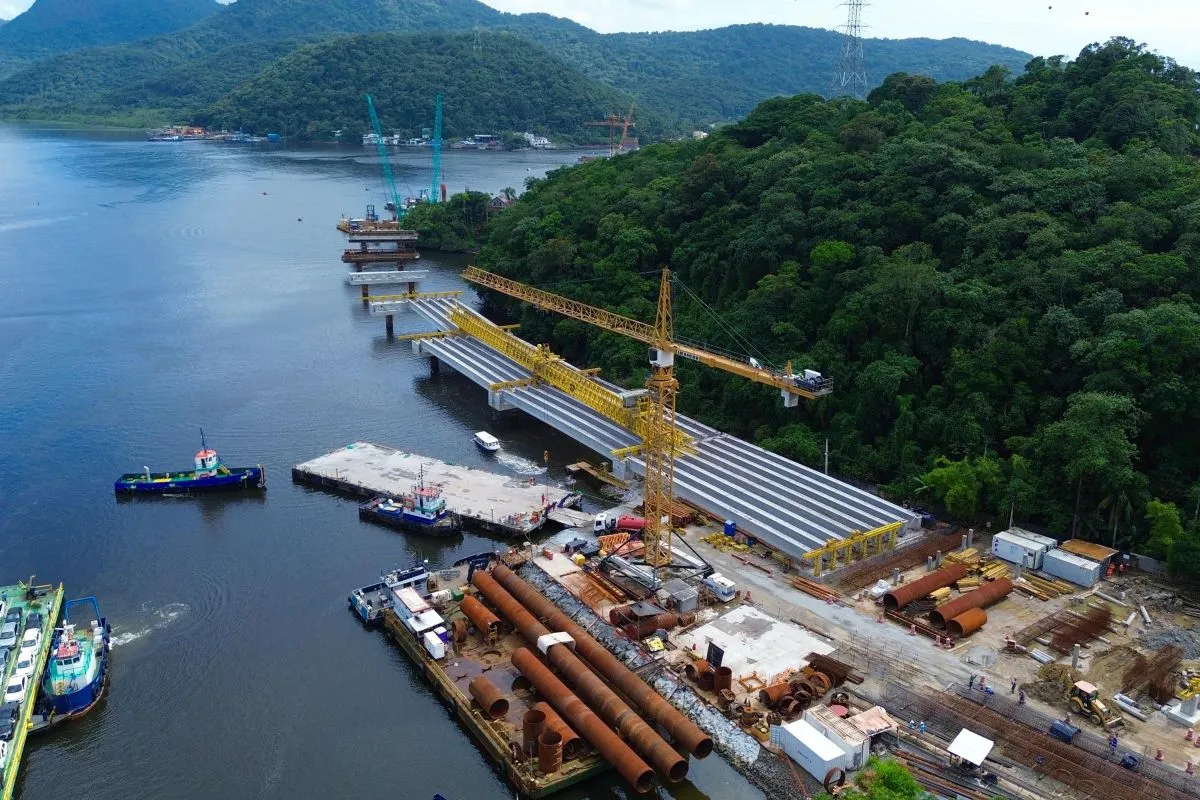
(1070, 567)
(1013, 545)
(853, 742)
(815, 754)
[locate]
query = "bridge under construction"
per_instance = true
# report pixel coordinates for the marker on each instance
(786, 505)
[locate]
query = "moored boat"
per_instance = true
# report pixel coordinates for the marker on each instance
(77, 674)
(369, 602)
(209, 474)
(423, 510)
(486, 442)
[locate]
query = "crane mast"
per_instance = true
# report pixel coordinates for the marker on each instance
(390, 180)
(660, 435)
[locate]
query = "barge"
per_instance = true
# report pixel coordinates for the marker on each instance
(460, 659)
(483, 501)
(33, 608)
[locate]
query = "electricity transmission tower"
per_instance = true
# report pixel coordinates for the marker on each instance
(851, 75)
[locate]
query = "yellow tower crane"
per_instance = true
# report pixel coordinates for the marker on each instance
(656, 416)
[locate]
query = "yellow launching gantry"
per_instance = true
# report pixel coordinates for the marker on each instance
(855, 547)
(652, 413)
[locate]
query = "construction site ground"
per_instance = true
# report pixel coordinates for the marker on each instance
(890, 652)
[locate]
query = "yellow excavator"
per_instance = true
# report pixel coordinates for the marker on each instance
(1085, 701)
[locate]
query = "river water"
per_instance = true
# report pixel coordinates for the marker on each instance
(148, 289)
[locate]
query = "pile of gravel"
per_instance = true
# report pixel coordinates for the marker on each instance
(766, 770)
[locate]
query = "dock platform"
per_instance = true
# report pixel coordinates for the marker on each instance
(600, 474)
(500, 738)
(47, 601)
(511, 507)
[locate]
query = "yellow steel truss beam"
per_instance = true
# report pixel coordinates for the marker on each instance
(408, 337)
(519, 382)
(634, 329)
(854, 547)
(551, 369)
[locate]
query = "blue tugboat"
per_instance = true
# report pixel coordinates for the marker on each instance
(423, 510)
(209, 475)
(77, 675)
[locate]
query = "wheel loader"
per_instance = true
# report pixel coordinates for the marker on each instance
(1085, 701)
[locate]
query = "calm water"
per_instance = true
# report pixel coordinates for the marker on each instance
(148, 289)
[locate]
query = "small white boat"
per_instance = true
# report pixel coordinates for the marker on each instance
(486, 442)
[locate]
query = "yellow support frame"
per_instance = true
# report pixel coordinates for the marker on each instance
(518, 383)
(854, 547)
(391, 298)
(548, 367)
(408, 337)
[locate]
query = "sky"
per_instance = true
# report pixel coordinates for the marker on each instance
(1041, 27)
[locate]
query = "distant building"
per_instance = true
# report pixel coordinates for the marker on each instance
(699, 134)
(538, 142)
(499, 203)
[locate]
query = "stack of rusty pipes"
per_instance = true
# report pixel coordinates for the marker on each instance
(648, 701)
(591, 689)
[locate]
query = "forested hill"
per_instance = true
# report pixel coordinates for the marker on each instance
(490, 82)
(1000, 276)
(691, 78)
(695, 77)
(56, 26)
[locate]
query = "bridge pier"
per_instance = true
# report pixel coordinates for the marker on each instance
(498, 402)
(435, 366)
(388, 324)
(620, 469)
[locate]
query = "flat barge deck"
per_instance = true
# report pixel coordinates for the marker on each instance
(47, 601)
(501, 738)
(485, 501)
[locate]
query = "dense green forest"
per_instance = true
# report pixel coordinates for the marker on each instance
(1000, 275)
(490, 82)
(56, 26)
(687, 79)
(455, 226)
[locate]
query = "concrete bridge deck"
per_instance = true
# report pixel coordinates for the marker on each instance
(789, 506)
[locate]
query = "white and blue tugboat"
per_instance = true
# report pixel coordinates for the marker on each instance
(77, 674)
(369, 602)
(423, 510)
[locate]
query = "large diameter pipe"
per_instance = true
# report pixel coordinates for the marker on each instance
(903, 595)
(480, 616)
(985, 595)
(598, 696)
(967, 622)
(490, 699)
(650, 702)
(550, 753)
(571, 743)
(628, 763)
(648, 625)
(532, 726)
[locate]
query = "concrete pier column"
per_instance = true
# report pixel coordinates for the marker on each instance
(620, 469)
(1075, 657)
(896, 576)
(970, 537)
(435, 366)
(937, 559)
(389, 325)
(964, 543)
(366, 293)
(412, 287)
(929, 563)
(1188, 708)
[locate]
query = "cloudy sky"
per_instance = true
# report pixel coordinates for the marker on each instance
(1043, 27)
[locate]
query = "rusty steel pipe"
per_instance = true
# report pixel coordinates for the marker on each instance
(666, 761)
(647, 626)
(985, 595)
(628, 763)
(572, 745)
(821, 681)
(532, 726)
(483, 619)
(724, 679)
(773, 694)
(621, 615)
(493, 703)
(550, 753)
(694, 669)
(650, 702)
(967, 622)
(905, 593)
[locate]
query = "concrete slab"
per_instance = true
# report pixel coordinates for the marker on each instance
(754, 641)
(365, 468)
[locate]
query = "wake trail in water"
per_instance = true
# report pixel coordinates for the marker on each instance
(161, 618)
(521, 466)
